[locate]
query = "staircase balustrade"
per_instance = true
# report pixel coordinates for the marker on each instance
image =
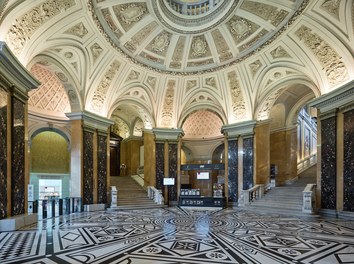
(252, 194)
(306, 163)
(155, 194)
(309, 198)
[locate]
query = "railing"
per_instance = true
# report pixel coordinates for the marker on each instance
(306, 163)
(156, 195)
(252, 194)
(309, 198)
(195, 8)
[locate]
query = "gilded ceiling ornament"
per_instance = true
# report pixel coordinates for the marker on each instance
(239, 27)
(161, 42)
(199, 46)
(132, 13)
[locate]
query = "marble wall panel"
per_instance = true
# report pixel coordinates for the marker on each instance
(233, 171)
(348, 162)
(18, 158)
(328, 163)
(3, 153)
(160, 165)
(102, 169)
(247, 163)
(172, 171)
(88, 168)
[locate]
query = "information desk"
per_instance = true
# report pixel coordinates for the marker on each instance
(194, 200)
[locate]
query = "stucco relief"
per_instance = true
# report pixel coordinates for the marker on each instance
(264, 111)
(99, 95)
(279, 52)
(221, 45)
(78, 30)
(238, 102)
(96, 51)
(190, 84)
(331, 61)
(139, 37)
(255, 66)
(167, 110)
(211, 81)
(161, 42)
(25, 26)
(151, 81)
(199, 47)
(332, 6)
(132, 12)
(178, 53)
(120, 127)
(265, 11)
(133, 75)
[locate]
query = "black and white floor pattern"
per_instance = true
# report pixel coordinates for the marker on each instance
(174, 235)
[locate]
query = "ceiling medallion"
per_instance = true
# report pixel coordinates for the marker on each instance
(199, 46)
(161, 42)
(132, 13)
(240, 27)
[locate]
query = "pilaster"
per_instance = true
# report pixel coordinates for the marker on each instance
(89, 157)
(336, 145)
(239, 171)
(15, 82)
(168, 162)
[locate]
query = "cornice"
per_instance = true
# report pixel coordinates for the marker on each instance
(14, 72)
(341, 96)
(91, 120)
(239, 129)
(169, 134)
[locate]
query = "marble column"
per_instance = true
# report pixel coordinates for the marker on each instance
(89, 157)
(335, 191)
(240, 165)
(15, 82)
(168, 160)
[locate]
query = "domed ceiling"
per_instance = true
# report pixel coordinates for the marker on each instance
(192, 36)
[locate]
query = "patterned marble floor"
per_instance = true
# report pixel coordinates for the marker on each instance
(174, 235)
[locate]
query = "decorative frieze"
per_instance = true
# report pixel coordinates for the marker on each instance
(100, 94)
(330, 60)
(238, 102)
(26, 25)
(167, 109)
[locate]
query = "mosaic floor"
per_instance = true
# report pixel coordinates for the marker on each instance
(174, 235)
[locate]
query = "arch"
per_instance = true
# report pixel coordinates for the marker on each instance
(68, 81)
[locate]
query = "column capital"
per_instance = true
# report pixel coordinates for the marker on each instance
(167, 134)
(18, 79)
(341, 96)
(245, 128)
(91, 120)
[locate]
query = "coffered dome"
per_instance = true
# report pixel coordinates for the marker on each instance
(192, 36)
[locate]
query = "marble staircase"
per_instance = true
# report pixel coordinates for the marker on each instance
(131, 195)
(286, 200)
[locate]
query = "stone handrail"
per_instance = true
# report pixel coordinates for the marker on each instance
(306, 163)
(155, 194)
(309, 198)
(252, 194)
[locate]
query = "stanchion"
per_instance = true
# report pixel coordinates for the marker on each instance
(44, 208)
(52, 203)
(60, 206)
